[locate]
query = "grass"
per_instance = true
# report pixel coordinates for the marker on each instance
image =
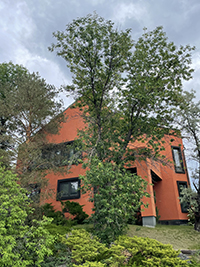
(180, 237)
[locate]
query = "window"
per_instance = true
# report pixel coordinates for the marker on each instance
(178, 160)
(34, 192)
(181, 186)
(132, 170)
(68, 189)
(61, 154)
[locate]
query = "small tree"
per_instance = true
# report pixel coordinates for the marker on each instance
(118, 195)
(20, 244)
(188, 117)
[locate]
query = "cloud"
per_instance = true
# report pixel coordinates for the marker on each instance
(135, 11)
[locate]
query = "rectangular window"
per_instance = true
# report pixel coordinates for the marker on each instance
(178, 160)
(68, 189)
(34, 192)
(61, 154)
(181, 186)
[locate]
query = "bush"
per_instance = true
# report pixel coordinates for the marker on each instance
(85, 247)
(149, 252)
(136, 251)
(58, 229)
(75, 209)
(20, 244)
(61, 255)
(58, 217)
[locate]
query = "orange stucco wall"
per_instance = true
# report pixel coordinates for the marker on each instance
(68, 132)
(166, 189)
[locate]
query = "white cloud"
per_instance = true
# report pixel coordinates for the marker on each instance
(17, 22)
(124, 11)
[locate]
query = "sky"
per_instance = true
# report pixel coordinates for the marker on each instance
(26, 28)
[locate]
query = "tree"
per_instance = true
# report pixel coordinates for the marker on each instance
(9, 73)
(118, 197)
(128, 90)
(188, 117)
(31, 110)
(20, 244)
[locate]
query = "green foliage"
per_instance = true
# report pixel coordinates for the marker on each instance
(9, 73)
(99, 56)
(58, 229)
(195, 259)
(84, 246)
(28, 106)
(20, 244)
(58, 217)
(127, 91)
(149, 252)
(75, 209)
(92, 264)
(117, 196)
(88, 251)
(188, 117)
(61, 255)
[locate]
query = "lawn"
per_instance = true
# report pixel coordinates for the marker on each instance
(180, 237)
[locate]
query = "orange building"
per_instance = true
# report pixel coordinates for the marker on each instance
(164, 182)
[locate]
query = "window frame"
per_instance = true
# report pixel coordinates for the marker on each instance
(49, 153)
(68, 180)
(177, 168)
(184, 206)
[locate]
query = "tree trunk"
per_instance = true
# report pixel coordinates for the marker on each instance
(197, 222)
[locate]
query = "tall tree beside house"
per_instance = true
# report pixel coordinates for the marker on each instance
(188, 117)
(28, 103)
(128, 90)
(9, 73)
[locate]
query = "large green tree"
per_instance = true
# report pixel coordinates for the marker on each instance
(9, 73)
(128, 90)
(30, 109)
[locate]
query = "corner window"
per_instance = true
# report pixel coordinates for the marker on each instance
(181, 186)
(178, 160)
(68, 189)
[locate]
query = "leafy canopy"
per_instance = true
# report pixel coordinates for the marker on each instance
(28, 110)
(127, 91)
(188, 117)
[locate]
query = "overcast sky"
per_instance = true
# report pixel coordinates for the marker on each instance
(26, 28)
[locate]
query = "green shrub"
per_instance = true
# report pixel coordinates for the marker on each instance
(195, 259)
(58, 217)
(85, 247)
(20, 244)
(61, 255)
(75, 209)
(91, 264)
(149, 252)
(58, 229)
(136, 251)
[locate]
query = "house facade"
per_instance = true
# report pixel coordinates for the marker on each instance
(164, 182)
